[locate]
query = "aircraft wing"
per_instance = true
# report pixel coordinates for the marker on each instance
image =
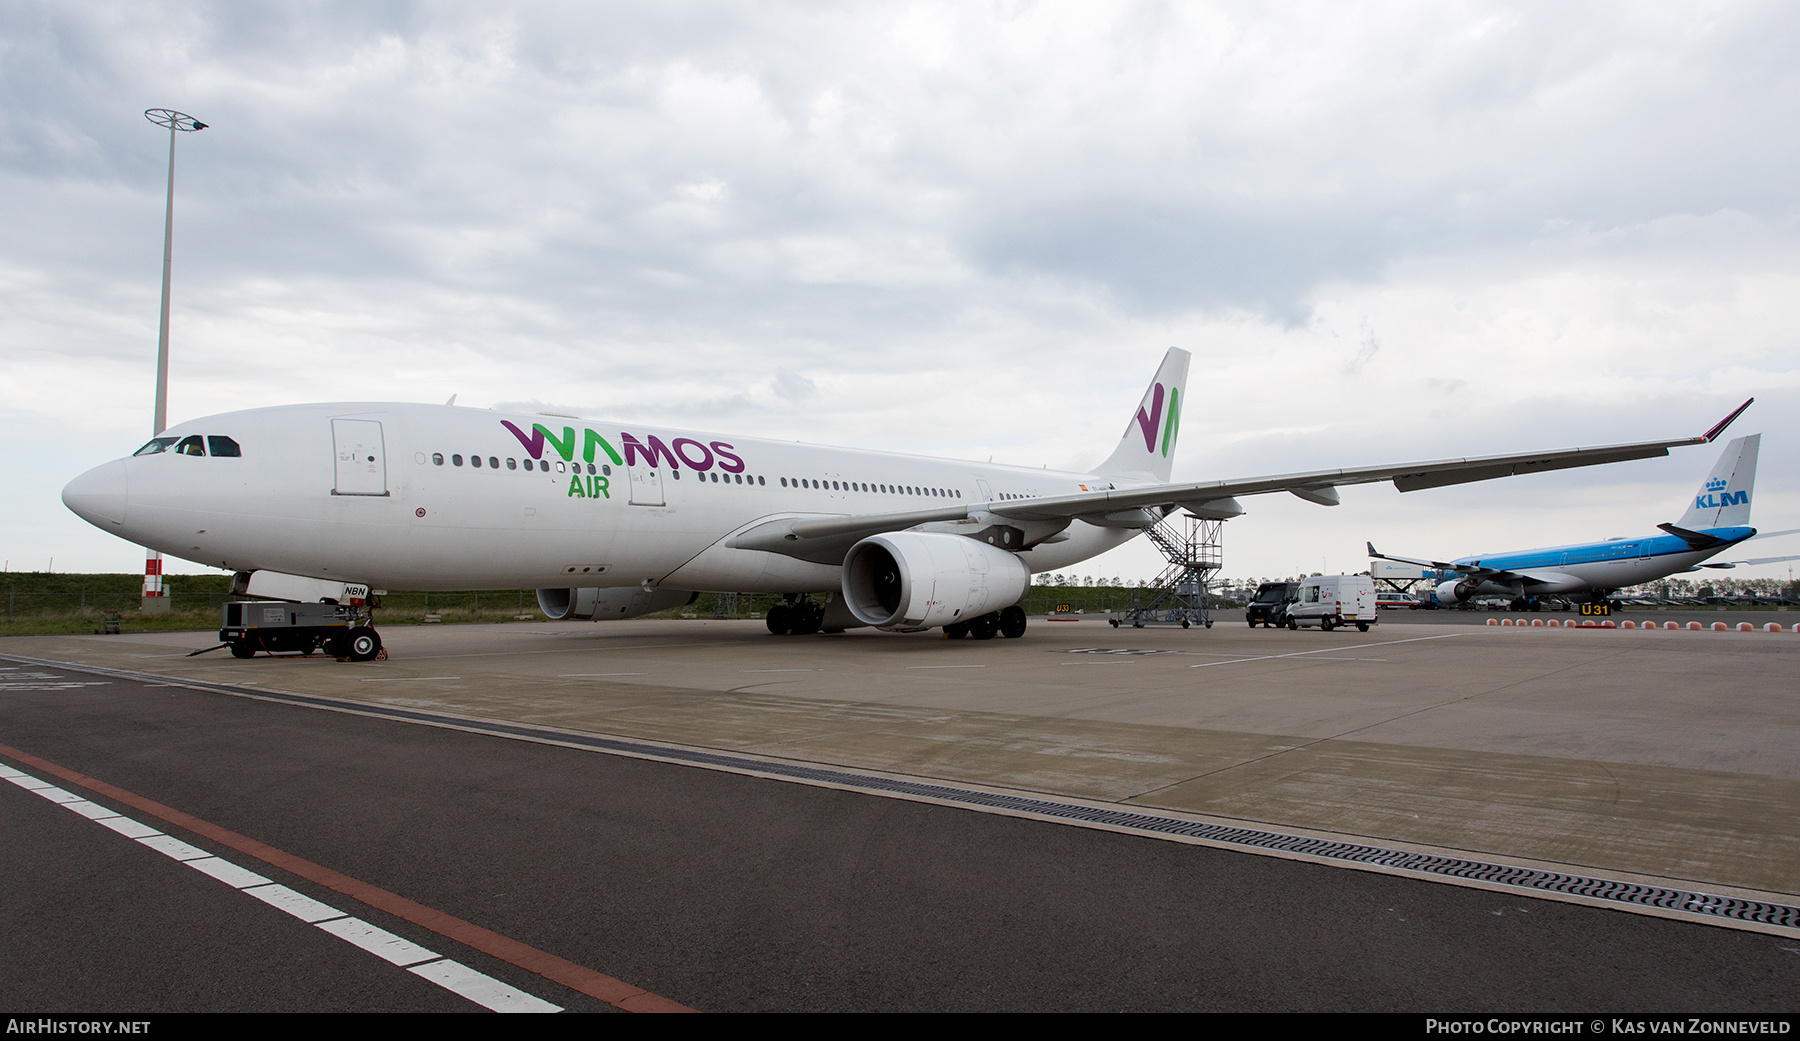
(825, 539)
(1747, 563)
(1320, 485)
(1475, 571)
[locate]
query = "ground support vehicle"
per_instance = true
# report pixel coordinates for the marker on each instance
(1329, 601)
(278, 627)
(1270, 607)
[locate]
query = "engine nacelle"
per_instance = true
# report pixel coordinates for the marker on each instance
(1455, 591)
(610, 604)
(916, 579)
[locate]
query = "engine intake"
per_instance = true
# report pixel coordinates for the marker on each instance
(916, 580)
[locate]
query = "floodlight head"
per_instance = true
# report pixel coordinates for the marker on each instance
(168, 117)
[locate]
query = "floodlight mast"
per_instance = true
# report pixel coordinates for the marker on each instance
(155, 600)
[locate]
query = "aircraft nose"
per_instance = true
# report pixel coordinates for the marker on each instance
(98, 496)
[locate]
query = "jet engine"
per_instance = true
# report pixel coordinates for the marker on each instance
(1455, 591)
(609, 604)
(916, 579)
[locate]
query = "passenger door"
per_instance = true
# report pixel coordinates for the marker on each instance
(361, 458)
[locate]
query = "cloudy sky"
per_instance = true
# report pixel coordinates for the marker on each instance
(1386, 232)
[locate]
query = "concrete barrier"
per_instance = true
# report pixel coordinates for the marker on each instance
(1537, 623)
(1695, 626)
(1773, 627)
(1670, 625)
(1629, 624)
(1719, 627)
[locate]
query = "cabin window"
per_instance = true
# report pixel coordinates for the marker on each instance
(511, 463)
(157, 444)
(190, 445)
(437, 459)
(475, 461)
(761, 481)
(544, 465)
(740, 478)
(560, 468)
(605, 470)
(784, 482)
(456, 460)
(222, 447)
(494, 461)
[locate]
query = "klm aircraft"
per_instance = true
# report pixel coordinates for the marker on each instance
(1716, 520)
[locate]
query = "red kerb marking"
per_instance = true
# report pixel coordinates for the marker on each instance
(614, 992)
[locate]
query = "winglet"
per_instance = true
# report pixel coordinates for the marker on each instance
(1719, 427)
(1372, 552)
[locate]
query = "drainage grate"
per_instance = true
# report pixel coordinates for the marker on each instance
(1624, 894)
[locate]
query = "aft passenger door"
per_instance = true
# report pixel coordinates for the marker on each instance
(361, 459)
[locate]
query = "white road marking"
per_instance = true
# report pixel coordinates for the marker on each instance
(784, 670)
(170, 846)
(227, 872)
(946, 666)
(479, 988)
(127, 827)
(408, 679)
(453, 976)
(1326, 650)
(591, 675)
(92, 811)
(379, 942)
(299, 905)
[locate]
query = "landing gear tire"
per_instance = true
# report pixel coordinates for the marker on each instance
(779, 620)
(1114, 622)
(1012, 622)
(955, 631)
(984, 627)
(1184, 623)
(362, 644)
(243, 649)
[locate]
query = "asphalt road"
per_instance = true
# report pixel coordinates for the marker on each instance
(725, 892)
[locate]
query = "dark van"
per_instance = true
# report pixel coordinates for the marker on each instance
(1271, 604)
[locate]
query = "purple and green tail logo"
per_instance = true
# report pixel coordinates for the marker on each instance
(1150, 422)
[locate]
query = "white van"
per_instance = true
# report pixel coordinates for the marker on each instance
(1329, 601)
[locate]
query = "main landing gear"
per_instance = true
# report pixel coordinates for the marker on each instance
(798, 616)
(1009, 623)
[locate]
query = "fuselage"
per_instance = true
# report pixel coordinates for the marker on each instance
(1599, 566)
(410, 496)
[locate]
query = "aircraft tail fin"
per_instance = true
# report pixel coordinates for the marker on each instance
(1724, 500)
(1147, 449)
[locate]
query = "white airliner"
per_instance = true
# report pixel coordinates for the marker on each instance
(1717, 519)
(611, 521)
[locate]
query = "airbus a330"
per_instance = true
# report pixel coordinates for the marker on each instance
(611, 521)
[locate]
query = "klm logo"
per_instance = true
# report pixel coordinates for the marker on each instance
(1710, 501)
(1716, 484)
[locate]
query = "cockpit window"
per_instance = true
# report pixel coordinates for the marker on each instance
(222, 447)
(190, 445)
(157, 444)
